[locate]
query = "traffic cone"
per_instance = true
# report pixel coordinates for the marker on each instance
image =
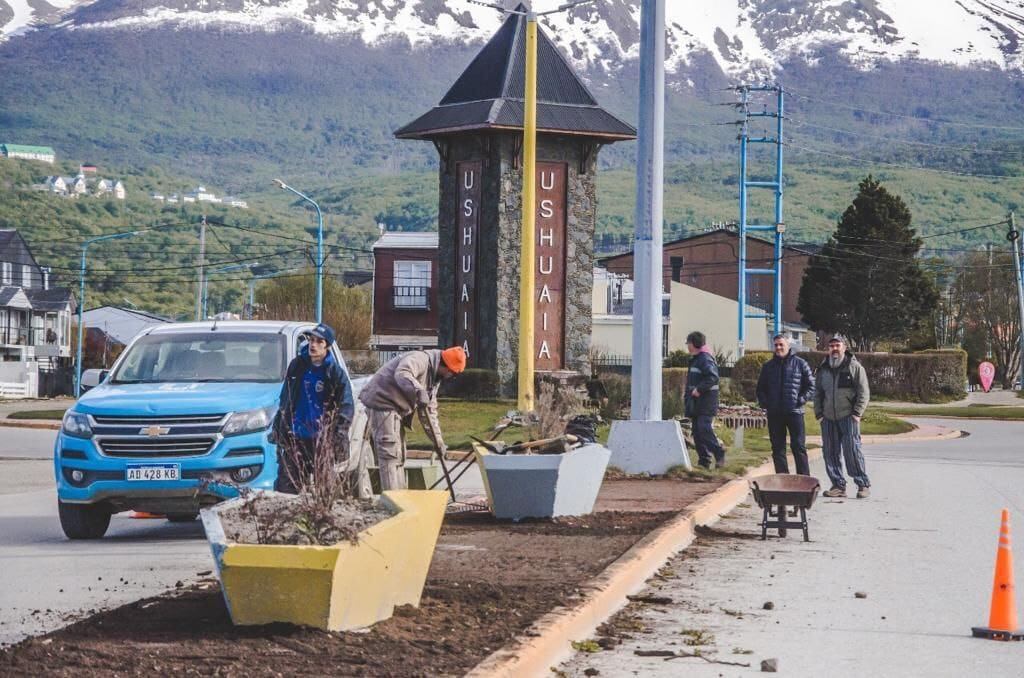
(1002, 620)
(145, 515)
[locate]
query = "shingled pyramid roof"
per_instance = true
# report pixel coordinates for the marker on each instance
(489, 93)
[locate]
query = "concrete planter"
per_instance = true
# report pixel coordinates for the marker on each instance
(336, 588)
(543, 485)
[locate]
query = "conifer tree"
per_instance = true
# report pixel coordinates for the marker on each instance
(867, 282)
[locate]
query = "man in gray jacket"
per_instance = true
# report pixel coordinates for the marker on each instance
(840, 399)
(405, 384)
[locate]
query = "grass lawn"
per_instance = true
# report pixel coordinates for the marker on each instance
(39, 414)
(969, 412)
(461, 419)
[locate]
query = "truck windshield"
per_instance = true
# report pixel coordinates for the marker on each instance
(204, 357)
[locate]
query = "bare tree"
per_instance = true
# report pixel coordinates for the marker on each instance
(986, 294)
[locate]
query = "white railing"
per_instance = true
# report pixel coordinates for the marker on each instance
(10, 389)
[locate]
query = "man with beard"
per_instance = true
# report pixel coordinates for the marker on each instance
(840, 399)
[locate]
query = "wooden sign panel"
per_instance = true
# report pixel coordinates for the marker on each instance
(549, 333)
(467, 231)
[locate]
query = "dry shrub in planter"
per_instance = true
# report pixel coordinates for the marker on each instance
(325, 509)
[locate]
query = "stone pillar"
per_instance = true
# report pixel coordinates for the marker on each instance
(479, 221)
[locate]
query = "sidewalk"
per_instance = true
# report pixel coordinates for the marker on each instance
(915, 612)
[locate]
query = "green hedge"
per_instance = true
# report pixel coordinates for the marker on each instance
(746, 371)
(928, 376)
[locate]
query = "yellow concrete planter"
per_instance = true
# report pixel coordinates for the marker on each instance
(337, 588)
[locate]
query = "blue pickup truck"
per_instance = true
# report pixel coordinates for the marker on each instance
(179, 422)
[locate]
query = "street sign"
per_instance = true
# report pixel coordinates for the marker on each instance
(986, 373)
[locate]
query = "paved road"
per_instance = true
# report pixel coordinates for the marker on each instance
(922, 548)
(48, 581)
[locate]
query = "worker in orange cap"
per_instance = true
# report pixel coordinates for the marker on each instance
(405, 384)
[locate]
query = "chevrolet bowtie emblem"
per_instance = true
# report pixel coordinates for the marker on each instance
(154, 431)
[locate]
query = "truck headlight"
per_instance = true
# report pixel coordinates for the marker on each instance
(76, 425)
(249, 421)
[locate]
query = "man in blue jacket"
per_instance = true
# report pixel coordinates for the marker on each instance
(316, 393)
(784, 385)
(701, 400)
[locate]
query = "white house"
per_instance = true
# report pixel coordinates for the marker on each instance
(22, 152)
(232, 201)
(203, 195)
(57, 185)
(111, 187)
(684, 309)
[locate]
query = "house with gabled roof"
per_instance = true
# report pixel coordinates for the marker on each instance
(24, 152)
(35, 318)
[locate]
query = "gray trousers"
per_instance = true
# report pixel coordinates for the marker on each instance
(840, 440)
(388, 437)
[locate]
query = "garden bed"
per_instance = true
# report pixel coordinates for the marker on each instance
(488, 582)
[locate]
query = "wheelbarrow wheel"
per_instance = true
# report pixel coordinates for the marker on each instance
(782, 517)
(803, 519)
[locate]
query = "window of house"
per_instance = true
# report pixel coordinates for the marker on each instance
(7, 272)
(412, 284)
(26, 276)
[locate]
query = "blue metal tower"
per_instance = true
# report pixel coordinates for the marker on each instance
(779, 227)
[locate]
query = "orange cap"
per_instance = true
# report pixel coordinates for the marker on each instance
(454, 359)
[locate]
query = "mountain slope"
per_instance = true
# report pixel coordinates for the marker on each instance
(743, 36)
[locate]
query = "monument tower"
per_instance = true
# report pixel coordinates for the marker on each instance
(477, 129)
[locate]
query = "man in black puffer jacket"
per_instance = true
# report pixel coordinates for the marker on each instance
(785, 384)
(701, 400)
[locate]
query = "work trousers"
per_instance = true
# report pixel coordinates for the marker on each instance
(388, 437)
(706, 442)
(778, 425)
(840, 440)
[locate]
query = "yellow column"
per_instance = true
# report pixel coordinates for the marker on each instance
(527, 256)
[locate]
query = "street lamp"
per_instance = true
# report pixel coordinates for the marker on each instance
(319, 248)
(528, 236)
(81, 300)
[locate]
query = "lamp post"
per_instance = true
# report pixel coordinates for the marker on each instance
(81, 300)
(528, 235)
(319, 247)
(646, 443)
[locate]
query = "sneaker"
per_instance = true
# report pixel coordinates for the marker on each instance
(863, 493)
(835, 492)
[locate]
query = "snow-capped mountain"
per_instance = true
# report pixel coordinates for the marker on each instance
(741, 35)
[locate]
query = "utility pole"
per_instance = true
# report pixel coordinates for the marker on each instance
(202, 272)
(1014, 237)
(778, 228)
(527, 242)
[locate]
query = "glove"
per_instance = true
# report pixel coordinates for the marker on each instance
(422, 398)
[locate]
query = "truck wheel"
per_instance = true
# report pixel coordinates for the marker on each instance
(181, 517)
(83, 521)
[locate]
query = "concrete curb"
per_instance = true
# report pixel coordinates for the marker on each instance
(30, 423)
(548, 640)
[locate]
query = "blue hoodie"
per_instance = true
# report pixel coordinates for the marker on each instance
(309, 391)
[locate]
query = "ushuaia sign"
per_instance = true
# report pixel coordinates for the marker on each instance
(549, 333)
(466, 255)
